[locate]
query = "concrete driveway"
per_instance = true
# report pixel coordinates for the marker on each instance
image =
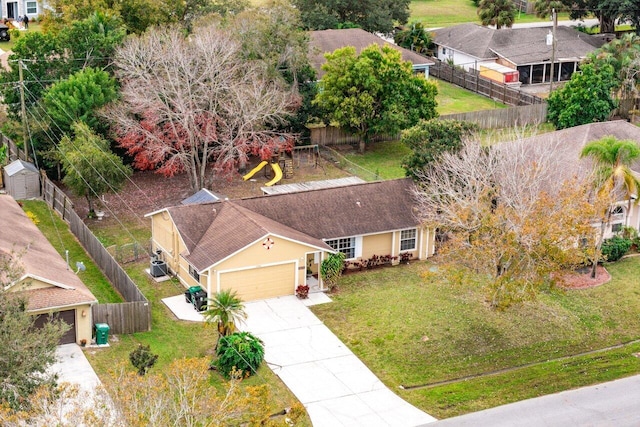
(73, 367)
(335, 387)
(329, 380)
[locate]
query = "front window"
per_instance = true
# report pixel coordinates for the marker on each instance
(347, 246)
(32, 7)
(408, 240)
(194, 273)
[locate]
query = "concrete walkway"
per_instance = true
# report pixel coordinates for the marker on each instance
(335, 387)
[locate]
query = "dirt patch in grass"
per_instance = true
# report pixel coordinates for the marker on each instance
(581, 279)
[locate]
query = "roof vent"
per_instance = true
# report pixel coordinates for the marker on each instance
(549, 39)
(358, 203)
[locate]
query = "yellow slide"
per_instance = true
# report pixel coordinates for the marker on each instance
(278, 177)
(255, 170)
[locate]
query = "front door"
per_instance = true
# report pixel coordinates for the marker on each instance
(12, 10)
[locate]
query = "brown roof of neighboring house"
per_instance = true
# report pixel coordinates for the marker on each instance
(40, 261)
(518, 45)
(569, 142)
(577, 137)
(215, 231)
(324, 41)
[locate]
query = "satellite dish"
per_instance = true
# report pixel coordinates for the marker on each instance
(80, 266)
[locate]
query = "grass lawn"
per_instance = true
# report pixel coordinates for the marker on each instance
(415, 330)
(454, 99)
(383, 160)
(445, 13)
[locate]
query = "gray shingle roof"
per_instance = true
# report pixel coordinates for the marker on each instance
(518, 45)
(329, 40)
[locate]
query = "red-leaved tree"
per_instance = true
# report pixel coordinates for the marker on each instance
(194, 105)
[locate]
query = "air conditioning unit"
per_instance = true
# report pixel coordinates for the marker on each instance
(158, 268)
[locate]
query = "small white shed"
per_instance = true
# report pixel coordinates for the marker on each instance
(22, 180)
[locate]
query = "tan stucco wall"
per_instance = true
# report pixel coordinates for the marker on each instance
(166, 238)
(281, 251)
(376, 244)
(30, 284)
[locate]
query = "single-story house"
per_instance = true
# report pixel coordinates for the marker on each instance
(569, 143)
(264, 247)
(51, 287)
(526, 50)
(325, 41)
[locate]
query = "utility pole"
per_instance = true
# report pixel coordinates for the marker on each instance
(23, 110)
(554, 17)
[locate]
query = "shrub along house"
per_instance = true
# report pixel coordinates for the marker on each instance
(264, 247)
(52, 289)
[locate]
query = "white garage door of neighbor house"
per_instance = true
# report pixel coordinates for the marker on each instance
(261, 282)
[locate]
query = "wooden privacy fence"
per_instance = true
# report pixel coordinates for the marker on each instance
(486, 119)
(13, 152)
(124, 318)
(331, 135)
(129, 317)
(473, 82)
(503, 117)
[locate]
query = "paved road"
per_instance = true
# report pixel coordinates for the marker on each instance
(609, 404)
(585, 23)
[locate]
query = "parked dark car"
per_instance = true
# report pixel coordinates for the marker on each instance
(4, 33)
(197, 297)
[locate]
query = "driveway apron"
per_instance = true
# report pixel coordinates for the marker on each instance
(329, 380)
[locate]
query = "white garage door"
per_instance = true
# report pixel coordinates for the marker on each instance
(262, 282)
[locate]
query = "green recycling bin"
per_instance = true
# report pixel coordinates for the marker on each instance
(102, 333)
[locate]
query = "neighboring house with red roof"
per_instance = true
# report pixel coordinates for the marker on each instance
(263, 247)
(527, 50)
(326, 41)
(50, 286)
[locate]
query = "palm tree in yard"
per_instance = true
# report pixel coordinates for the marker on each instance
(501, 13)
(614, 177)
(226, 310)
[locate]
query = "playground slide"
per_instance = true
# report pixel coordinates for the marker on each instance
(254, 170)
(278, 177)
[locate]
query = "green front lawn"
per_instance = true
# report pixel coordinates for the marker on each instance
(416, 331)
